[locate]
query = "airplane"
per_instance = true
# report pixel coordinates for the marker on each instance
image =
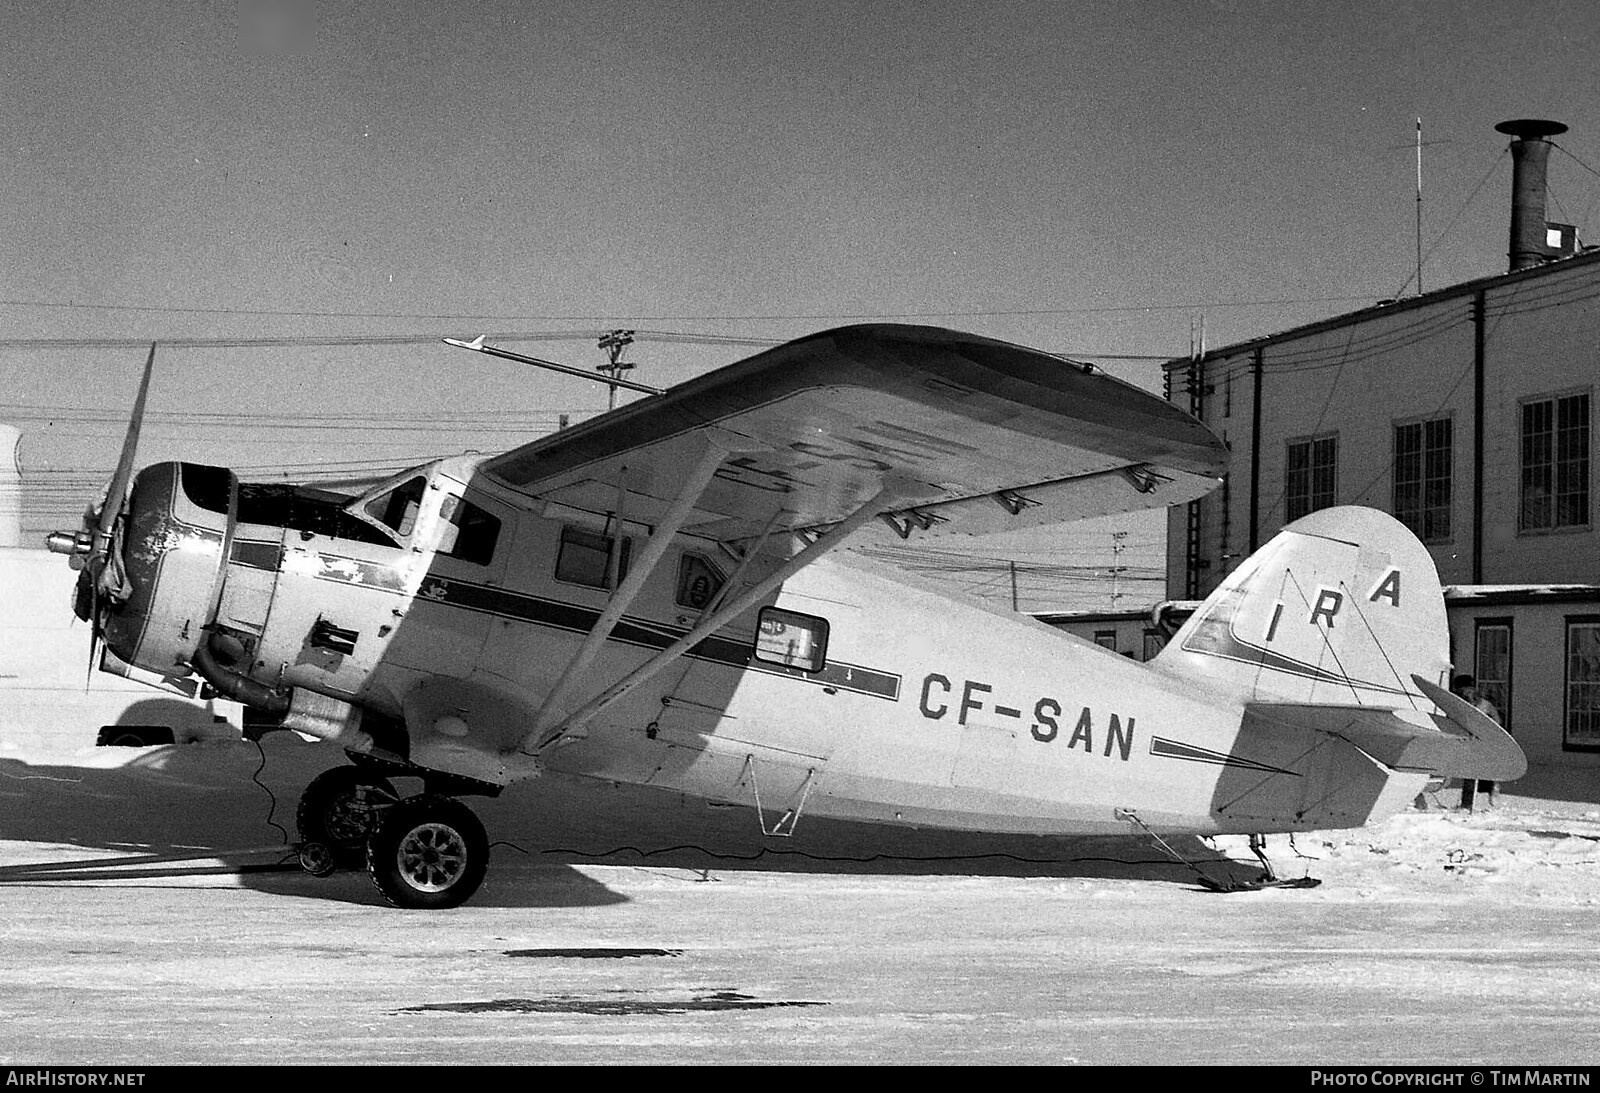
(674, 594)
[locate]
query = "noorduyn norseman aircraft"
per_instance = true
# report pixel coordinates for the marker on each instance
(666, 594)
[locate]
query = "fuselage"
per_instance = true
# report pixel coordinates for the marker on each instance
(446, 605)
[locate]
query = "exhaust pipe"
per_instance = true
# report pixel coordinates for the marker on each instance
(1530, 155)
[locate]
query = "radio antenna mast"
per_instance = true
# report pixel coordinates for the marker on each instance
(1419, 206)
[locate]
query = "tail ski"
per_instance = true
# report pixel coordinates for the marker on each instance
(1338, 626)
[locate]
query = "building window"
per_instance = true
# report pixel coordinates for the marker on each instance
(1555, 464)
(1422, 467)
(1312, 475)
(1492, 665)
(1583, 684)
(1106, 639)
(1154, 642)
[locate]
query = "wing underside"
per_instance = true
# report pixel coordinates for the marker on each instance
(974, 436)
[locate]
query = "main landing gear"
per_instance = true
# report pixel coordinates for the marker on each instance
(427, 851)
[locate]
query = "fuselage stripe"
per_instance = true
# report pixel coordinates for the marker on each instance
(656, 636)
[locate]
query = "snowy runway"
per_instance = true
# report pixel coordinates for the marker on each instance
(1440, 937)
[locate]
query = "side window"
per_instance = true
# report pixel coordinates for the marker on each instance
(1311, 475)
(1492, 665)
(397, 509)
(468, 533)
(1422, 478)
(1555, 464)
(1582, 685)
(792, 639)
(698, 581)
(584, 556)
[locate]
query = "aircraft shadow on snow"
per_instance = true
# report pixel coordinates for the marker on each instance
(186, 811)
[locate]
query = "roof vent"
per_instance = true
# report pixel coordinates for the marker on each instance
(1533, 239)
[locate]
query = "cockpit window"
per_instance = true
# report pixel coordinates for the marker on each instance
(397, 509)
(468, 532)
(304, 508)
(585, 557)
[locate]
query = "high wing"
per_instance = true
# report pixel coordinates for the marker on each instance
(967, 434)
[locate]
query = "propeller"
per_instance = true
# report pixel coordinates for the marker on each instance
(90, 549)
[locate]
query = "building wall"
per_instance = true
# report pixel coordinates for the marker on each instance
(1127, 632)
(1536, 712)
(1542, 338)
(10, 487)
(1358, 377)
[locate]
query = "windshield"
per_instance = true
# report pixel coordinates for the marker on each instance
(302, 508)
(397, 509)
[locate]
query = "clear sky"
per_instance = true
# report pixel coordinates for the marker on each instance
(1090, 178)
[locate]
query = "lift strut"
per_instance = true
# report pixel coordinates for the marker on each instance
(542, 737)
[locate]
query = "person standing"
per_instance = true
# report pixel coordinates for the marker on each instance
(1467, 687)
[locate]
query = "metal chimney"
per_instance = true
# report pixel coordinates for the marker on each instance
(1530, 154)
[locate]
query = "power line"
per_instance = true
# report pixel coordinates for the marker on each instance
(791, 317)
(359, 340)
(275, 342)
(1576, 160)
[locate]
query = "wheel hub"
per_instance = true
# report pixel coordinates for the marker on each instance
(432, 857)
(349, 819)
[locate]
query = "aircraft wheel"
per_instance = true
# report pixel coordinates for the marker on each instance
(429, 852)
(333, 812)
(317, 859)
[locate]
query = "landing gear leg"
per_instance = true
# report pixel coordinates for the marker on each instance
(428, 852)
(1258, 847)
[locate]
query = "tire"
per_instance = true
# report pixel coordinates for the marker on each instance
(331, 813)
(429, 852)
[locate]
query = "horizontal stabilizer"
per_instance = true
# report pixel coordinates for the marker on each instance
(1465, 743)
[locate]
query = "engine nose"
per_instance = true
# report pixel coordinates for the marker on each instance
(172, 546)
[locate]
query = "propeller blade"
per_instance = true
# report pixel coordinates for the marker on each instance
(116, 493)
(94, 630)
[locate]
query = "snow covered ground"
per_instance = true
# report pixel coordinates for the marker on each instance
(147, 916)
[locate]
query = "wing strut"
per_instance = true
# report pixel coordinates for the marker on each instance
(751, 552)
(537, 739)
(638, 574)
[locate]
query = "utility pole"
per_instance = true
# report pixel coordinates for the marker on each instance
(614, 343)
(1116, 565)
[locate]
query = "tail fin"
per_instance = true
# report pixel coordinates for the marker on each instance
(1335, 633)
(1342, 608)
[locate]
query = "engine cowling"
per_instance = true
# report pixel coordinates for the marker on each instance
(172, 545)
